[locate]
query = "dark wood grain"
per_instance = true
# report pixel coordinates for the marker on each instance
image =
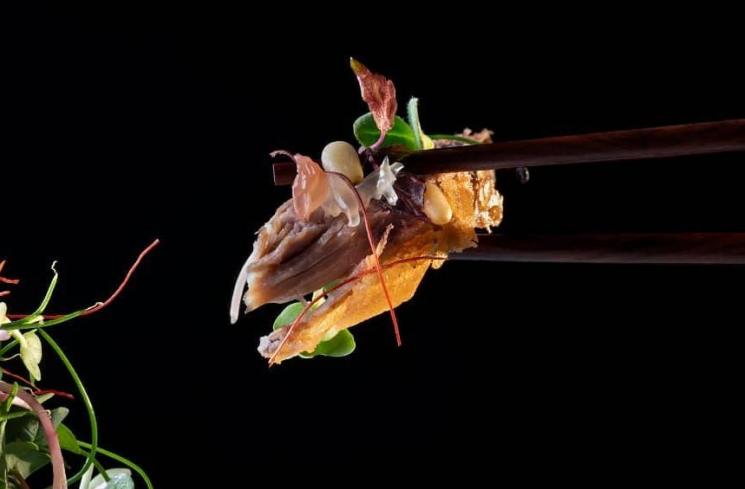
(635, 144)
(640, 248)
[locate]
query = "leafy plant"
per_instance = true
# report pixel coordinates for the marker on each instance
(33, 437)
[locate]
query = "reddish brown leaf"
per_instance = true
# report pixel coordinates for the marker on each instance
(380, 95)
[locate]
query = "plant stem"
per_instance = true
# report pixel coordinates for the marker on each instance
(50, 433)
(123, 460)
(99, 466)
(86, 401)
(7, 348)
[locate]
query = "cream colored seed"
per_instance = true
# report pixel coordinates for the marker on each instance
(341, 157)
(436, 205)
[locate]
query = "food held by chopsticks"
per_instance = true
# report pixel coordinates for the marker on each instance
(360, 232)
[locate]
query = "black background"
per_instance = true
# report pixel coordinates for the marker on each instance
(126, 123)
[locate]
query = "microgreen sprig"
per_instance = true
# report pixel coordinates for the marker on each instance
(23, 457)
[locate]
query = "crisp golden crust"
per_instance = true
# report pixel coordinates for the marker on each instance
(476, 204)
(358, 301)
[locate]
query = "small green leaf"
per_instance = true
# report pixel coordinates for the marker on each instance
(288, 315)
(58, 415)
(67, 439)
(340, 345)
(24, 429)
(412, 110)
(31, 354)
(20, 413)
(367, 133)
(44, 397)
(25, 457)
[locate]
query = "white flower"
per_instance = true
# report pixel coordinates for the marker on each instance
(119, 478)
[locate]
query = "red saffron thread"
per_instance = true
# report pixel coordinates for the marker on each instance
(373, 249)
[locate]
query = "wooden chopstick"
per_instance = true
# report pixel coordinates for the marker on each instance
(635, 248)
(635, 144)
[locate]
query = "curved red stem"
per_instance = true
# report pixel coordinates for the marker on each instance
(101, 305)
(55, 451)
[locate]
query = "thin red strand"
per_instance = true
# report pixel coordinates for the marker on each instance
(121, 287)
(17, 377)
(338, 286)
(374, 249)
(37, 392)
(97, 307)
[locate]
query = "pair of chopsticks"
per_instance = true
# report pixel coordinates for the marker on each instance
(629, 145)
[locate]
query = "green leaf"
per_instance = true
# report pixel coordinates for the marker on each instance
(67, 439)
(412, 110)
(23, 429)
(288, 315)
(341, 345)
(28, 451)
(58, 415)
(31, 354)
(20, 413)
(367, 133)
(25, 457)
(44, 397)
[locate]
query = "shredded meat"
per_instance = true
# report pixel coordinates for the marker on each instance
(293, 257)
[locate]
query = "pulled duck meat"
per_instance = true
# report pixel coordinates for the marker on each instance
(293, 257)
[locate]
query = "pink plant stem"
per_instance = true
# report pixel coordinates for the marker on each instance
(59, 480)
